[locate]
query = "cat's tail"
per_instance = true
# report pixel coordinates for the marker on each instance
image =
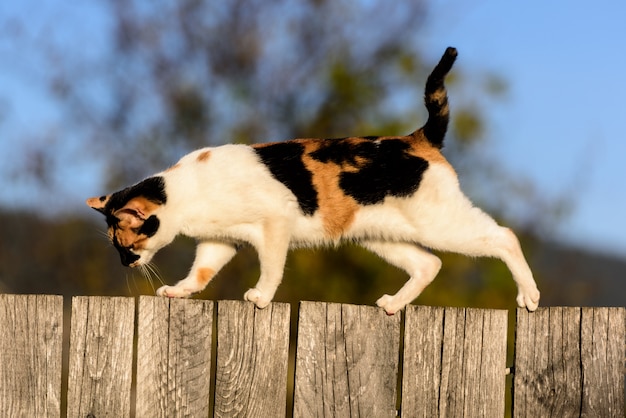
(436, 100)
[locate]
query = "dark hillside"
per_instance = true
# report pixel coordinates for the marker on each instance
(72, 257)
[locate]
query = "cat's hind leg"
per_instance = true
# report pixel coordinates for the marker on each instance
(421, 265)
(210, 258)
(507, 248)
(474, 233)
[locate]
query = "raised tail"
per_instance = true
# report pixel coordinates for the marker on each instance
(436, 100)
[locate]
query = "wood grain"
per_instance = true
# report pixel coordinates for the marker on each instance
(454, 362)
(568, 362)
(346, 361)
(603, 340)
(101, 356)
(421, 379)
(252, 355)
(30, 355)
(173, 357)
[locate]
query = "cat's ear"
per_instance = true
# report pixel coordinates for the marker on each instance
(139, 207)
(98, 203)
(128, 218)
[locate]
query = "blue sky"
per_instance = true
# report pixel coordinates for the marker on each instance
(563, 121)
(561, 124)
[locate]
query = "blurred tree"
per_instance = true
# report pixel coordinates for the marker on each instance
(180, 75)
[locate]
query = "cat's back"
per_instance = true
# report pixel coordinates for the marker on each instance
(230, 161)
(212, 156)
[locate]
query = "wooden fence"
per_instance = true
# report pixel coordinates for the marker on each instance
(198, 358)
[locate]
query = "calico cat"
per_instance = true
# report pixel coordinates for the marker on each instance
(395, 195)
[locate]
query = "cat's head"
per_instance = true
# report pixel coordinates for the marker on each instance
(131, 216)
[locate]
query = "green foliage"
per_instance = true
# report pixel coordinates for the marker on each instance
(467, 125)
(185, 74)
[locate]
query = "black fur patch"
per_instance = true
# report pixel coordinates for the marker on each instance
(150, 226)
(388, 169)
(152, 188)
(284, 160)
(127, 257)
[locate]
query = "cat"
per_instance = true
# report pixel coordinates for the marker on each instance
(397, 196)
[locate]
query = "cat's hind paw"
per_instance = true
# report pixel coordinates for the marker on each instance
(528, 299)
(387, 303)
(255, 296)
(172, 292)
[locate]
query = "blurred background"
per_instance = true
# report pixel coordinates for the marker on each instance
(95, 96)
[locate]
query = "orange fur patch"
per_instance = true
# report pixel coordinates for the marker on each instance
(127, 238)
(420, 147)
(98, 202)
(264, 144)
(174, 167)
(203, 156)
(336, 208)
(143, 205)
(204, 275)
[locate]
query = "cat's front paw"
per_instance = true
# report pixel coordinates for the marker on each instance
(172, 292)
(528, 298)
(255, 296)
(388, 304)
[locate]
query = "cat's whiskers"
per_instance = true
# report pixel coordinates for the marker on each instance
(145, 272)
(130, 292)
(157, 273)
(151, 272)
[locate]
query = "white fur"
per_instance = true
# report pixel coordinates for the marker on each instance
(231, 197)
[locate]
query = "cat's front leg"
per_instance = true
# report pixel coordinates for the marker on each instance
(272, 256)
(210, 258)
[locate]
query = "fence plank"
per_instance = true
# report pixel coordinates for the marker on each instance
(454, 362)
(547, 380)
(30, 355)
(603, 335)
(252, 355)
(101, 356)
(568, 362)
(346, 361)
(421, 377)
(173, 357)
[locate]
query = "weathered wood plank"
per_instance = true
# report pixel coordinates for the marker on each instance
(547, 380)
(454, 362)
(346, 361)
(603, 339)
(421, 371)
(173, 357)
(252, 355)
(568, 362)
(101, 356)
(30, 355)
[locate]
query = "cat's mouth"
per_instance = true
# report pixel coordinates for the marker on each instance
(127, 256)
(136, 260)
